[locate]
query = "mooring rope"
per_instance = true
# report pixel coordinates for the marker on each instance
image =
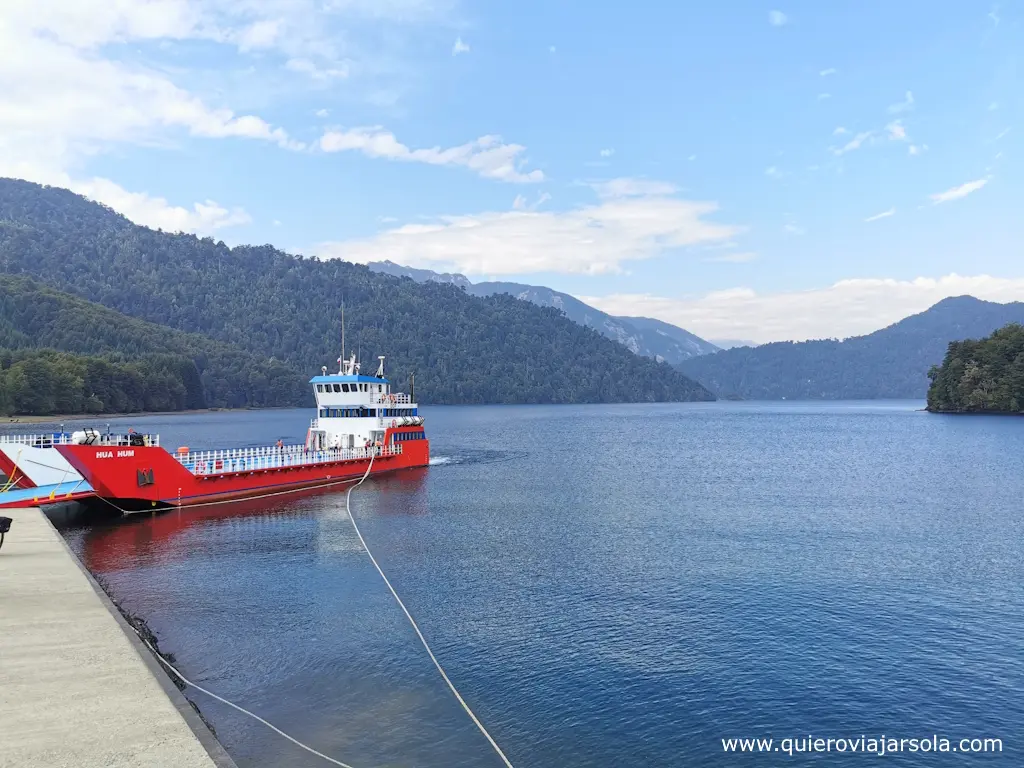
(244, 711)
(416, 628)
(412, 621)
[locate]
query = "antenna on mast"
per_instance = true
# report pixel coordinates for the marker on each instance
(342, 331)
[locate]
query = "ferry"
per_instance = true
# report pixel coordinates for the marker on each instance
(34, 473)
(361, 424)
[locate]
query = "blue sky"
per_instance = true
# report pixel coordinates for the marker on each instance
(749, 170)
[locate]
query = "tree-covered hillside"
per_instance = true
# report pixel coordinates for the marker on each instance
(986, 375)
(462, 348)
(215, 374)
(890, 363)
(44, 382)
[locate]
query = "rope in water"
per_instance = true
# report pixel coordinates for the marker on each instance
(412, 621)
(244, 711)
(416, 628)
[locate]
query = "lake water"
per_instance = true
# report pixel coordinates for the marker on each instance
(607, 585)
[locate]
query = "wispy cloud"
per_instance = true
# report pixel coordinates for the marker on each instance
(594, 239)
(956, 193)
(793, 229)
(917, 149)
(777, 18)
(1001, 134)
(607, 152)
(827, 72)
(311, 69)
(896, 131)
(882, 215)
(823, 96)
(854, 143)
(459, 47)
(488, 156)
(903, 106)
(773, 171)
(994, 15)
(840, 131)
(847, 308)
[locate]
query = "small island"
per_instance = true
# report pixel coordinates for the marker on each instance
(981, 376)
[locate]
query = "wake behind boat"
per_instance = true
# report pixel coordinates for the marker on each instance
(359, 421)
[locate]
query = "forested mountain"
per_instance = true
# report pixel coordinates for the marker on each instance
(890, 363)
(981, 376)
(641, 335)
(462, 348)
(214, 374)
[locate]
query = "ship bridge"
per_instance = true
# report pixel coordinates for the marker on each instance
(354, 410)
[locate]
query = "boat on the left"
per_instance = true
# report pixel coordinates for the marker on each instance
(35, 473)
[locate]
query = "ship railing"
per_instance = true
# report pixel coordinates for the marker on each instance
(250, 459)
(50, 439)
(399, 399)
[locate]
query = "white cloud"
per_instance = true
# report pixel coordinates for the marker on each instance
(551, 49)
(993, 106)
(917, 149)
(882, 215)
(1001, 134)
(896, 130)
(772, 171)
(459, 47)
(823, 96)
(854, 143)
(847, 308)
(776, 18)
(322, 112)
(840, 131)
(607, 152)
(903, 106)
(956, 193)
(488, 156)
(691, 158)
(203, 218)
(793, 229)
(827, 72)
(309, 68)
(626, 225)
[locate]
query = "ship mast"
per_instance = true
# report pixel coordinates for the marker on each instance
(342, 331)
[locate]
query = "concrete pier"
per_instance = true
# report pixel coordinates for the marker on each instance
(77, 687)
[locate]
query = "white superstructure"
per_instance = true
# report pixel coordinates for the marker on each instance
(354, 411)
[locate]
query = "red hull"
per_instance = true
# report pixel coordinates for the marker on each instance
(154, 476)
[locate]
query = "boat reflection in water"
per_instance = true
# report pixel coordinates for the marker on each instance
(158, 537)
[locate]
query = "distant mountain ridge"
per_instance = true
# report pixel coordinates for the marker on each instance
(643, 336)
(890, 363)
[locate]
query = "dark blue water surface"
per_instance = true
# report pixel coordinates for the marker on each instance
(607, 585)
